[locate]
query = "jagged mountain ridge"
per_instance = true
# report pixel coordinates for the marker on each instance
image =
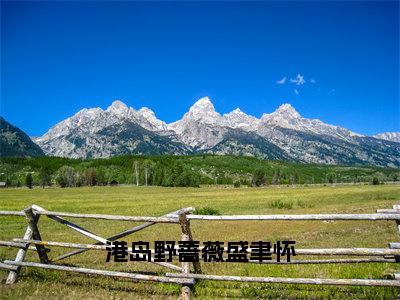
(283, 134)
(94, 133)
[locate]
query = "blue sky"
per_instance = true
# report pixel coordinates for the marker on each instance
(57, 58)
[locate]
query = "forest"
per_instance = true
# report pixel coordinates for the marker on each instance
(178, 171)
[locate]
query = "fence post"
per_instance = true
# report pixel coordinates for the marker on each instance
(185, 225)
(396, 257)
(33, 219)
(12, 276)
(187, 236)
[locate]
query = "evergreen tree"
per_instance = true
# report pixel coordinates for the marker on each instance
(331, 177)
(186, 179)
(44, 176)
(375, 180)
(29, 180)
(158, 174)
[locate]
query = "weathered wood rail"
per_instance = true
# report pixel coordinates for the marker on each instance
(32, 240)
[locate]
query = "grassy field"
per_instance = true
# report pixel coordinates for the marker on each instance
(157, 201)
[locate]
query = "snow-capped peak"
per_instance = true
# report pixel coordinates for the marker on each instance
(287, 117)
(287, 110)
(282, 116)
(203, 110)
(118, 107)
(203, 104)
(238, 119)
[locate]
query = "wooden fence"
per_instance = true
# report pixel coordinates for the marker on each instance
(182, 274)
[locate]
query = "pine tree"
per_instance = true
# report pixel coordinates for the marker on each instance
(29, 180)
(44, 177)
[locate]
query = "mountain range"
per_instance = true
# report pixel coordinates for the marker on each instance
(283, 134)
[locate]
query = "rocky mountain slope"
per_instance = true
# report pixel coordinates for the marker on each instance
(283, 134)
(389, 136)
(93, 133)
(14, 142)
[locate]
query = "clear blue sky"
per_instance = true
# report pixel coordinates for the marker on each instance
(57, 58)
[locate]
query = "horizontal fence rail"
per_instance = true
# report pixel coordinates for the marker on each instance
(32, 241)
(12, 213)
(329, 251)
(357, 282)
(327, 261)
(318, 217)
(18, 243)
(388, 211)
(110, 217)
(321, 217)
(140, 277)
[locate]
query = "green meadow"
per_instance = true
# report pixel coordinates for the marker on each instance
(156, 201)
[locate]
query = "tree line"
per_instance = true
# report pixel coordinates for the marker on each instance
(147, 173)
(180, 171)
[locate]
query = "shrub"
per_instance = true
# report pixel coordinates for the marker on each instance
(280, 204)
(303, 204)
(207, 210)
(375, 180)
(236, 184)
